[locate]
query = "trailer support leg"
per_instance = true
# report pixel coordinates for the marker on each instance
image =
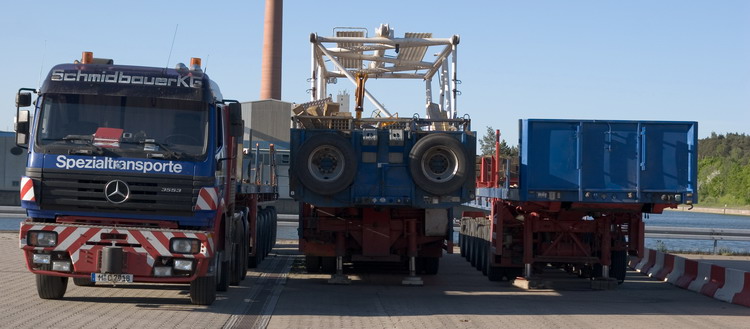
(412, 279)
(340, 277)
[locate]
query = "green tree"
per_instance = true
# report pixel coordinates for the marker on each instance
(487, 142)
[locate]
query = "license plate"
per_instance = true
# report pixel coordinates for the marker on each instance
(111, 278)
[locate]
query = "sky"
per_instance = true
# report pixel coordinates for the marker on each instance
(627, 60)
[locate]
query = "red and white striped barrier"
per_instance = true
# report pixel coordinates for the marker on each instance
(726, 284)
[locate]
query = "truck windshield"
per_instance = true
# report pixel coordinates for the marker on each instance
(127, 126)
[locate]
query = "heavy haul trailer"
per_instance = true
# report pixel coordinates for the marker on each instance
(379, 189)
(136, 174)
(575, 196)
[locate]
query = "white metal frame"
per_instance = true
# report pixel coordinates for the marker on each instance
(380, 59)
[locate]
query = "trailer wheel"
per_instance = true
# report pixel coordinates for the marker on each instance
(437, 164)
(485, 257)
(326, 164)
(51, 287)
(203, 290)
(222, 273)
(430, 265)
(312, 264)
(619, 268)
(474, 252)
(462, 244)
(328, 264)
(83, 282)
(495, 273)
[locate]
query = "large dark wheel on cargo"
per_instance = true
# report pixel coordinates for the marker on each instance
(51, 287)
(243, 259)
(83, 282)
(326, 164)
(474, 251)
(312, 264)
(437, 164)
(619, 268)
(222, 273)
(203, 290)
(274, 225)
(328, 264)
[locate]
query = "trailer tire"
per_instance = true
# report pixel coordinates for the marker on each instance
(51, 287)
(326, 164)
(462, 244)
(437, 164)
(474, 252)
(328, 264)
(431, 265)
(619, 268)
(485, 256)
(83, 282)
(203, 290)
(495, 273)
(312, 264)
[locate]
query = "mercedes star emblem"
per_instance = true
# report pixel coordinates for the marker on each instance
(116, 191)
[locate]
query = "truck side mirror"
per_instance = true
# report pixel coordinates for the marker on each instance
(23, 99)
(237, 125)
(22, 127)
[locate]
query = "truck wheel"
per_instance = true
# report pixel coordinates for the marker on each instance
(243, 260)
(203, 290)
(234, 273)
(312, 264)
(328, 264)
(51, 287)
(437, 164)
(326, 164)
(474, 252)
(83, 282)
(252, 261)
(222, 273)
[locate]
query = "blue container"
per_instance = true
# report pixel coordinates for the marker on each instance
(382, 167)
(608, 161)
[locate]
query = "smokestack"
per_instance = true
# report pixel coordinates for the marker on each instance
(270, 81)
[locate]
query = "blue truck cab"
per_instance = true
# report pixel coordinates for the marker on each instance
(124, 141)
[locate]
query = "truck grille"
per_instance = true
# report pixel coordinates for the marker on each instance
(71, 190)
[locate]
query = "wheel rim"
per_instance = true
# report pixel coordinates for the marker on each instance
(439, 164)
(326, 163)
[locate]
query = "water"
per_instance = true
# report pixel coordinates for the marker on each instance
(698, 220)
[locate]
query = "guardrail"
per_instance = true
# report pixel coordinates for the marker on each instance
(693, 233)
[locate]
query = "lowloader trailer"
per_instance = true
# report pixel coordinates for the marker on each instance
(136, 174)
(380, 189)
(575, 197)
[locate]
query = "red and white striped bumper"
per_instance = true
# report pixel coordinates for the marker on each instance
(143, 249)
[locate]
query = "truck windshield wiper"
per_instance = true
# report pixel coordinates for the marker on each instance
(89, 142)
(168, 153)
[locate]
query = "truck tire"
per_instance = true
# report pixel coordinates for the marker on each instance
(437, 164)
(312, 264)
(222, 273)
(326, 164)
(83, 282)
(485, 257)
(203, 290)
(234, 265)
(51, 287)
(462, 245)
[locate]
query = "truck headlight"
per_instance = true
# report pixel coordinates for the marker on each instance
(184, 245)
(183, 264)
(42, 238)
